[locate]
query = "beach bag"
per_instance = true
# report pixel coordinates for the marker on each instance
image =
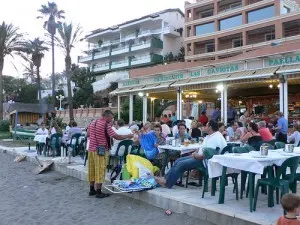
(135, 164)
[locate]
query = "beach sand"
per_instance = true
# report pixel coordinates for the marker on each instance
(53, 198)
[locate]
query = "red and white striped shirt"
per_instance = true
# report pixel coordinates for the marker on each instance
(97, 134)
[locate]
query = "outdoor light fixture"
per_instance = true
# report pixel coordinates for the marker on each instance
(278, 85)
(191, 96)
(140, 94)
(60, 98)
(271, 86)
(147, 94)
(220, 87)
(200, 102)
(217, 91)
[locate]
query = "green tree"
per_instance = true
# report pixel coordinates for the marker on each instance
(68, 37)
(12, 87)
(83, 79)
(51, 12)
(28, 94)
(36, 49)
(9, 43)
(137, 109)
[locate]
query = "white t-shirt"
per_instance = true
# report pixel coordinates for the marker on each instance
(188, 123)
(120, 131)
(165, 129)
(215, 140)
(53, 130)
(175, 130)
(40, 131)
(294, 137)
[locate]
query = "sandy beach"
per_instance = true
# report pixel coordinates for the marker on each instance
(53, 198)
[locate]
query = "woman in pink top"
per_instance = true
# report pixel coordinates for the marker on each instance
(264, 132)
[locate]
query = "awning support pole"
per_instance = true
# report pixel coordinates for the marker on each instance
(179, 104)
(144, 109)
(283, 96)
(130, 108)
(224, 103)
(119, 108)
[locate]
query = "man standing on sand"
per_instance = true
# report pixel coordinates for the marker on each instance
(100, 132)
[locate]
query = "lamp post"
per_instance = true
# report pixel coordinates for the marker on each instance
(60, 98)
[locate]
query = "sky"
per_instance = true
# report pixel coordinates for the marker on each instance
(90, 14)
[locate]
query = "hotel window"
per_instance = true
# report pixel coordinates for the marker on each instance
(205, 14)
(231, 22)
(210, 47)
(269, 36)
(205, 28)
(261, 14)
(237, 42)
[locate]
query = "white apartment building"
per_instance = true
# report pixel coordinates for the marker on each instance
(136, 43)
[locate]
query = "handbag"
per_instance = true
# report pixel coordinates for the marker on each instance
(101, 148)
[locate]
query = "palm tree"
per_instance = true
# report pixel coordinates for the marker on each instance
(68, 37)
(36, 49)
(9, 42)
(52, 13)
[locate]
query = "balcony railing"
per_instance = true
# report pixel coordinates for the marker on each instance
(83, 59)
(99, 55)
(141, 60)
(101, 67)
(291, 32)
(120, 50)
(141, 45)
(119, 64)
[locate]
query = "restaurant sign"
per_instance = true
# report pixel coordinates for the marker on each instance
(130, 83)
(170, 77)
(283, 60)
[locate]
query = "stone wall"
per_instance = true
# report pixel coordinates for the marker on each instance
(83, 116)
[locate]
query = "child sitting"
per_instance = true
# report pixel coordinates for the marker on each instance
(291, 204)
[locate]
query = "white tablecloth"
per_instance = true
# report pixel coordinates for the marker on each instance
(246, 161)
(41, 138)
(183, 149)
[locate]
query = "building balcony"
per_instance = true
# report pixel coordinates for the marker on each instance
(291, 28)
(225, 6)
(260, 35)
(120, 50)
(153, 43)
(119, 64)
(101, 67)
(84, 59)
(148, 59)
(171, 31)
(99, 55)
(231, 41)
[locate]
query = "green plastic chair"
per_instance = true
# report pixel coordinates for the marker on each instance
(279, 144)
(74, 144)
(281, 181)
(55, 144)
(120, 156)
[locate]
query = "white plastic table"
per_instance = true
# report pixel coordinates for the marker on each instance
(183, 149)
(41, 138)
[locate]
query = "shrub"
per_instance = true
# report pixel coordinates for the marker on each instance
(4, 125)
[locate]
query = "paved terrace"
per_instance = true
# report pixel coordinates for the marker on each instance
(181, 200)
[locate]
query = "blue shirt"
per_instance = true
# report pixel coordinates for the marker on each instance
(147, 142)
(186, 136)
(216, 115)
(230, 113)
(283, 124)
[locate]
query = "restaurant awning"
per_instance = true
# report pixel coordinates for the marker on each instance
(289, 69)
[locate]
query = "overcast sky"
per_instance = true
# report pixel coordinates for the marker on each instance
(91, 14)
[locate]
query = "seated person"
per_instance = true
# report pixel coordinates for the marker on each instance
(165, 129)
(73, 130)
(240, 131)
(231, 129)
(149, 140)
(122, 130)
(182, 133)
(222, 129)
(214, 140)
(294, 135)
(264, 131)
(42, 130)
(252, 136)
(195, 131)
(55, 129)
